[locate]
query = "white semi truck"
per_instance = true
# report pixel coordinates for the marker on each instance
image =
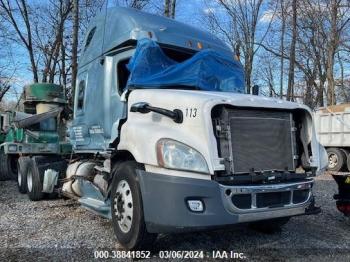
(165, 138)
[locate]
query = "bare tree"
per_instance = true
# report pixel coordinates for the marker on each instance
(24, 35)
(320, 32)
(75, 43)
(240, 24)
(267, 74)
(338, 11)
(48, 36)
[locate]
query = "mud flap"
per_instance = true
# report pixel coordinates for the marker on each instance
(54, 163)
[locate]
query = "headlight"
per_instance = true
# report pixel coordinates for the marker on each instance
(176, 155)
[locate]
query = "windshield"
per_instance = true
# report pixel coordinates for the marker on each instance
(206, 70)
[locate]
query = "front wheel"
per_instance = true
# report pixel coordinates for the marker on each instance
(127, 210)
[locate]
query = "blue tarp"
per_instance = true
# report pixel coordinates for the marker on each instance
(206, 70)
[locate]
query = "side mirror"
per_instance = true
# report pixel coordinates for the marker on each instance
(255, 90)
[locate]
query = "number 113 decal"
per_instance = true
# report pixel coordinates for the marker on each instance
(191, 112)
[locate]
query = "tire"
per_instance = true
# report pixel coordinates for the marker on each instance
(34, 182)
(346, 154)
(22, 169)
(3, 171)
(345, 151)
(127, 210)
(8, 167)
(336, 159)
(348, 163)
(269, 226)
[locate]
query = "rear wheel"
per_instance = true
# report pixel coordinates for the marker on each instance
(336, 159)
(270, 226)
(348, 162)
(34, 182)
(127, 210)
(22, 169)
(8, 167)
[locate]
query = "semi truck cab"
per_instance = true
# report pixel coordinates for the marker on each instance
(160, 147)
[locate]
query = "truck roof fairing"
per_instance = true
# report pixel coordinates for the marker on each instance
(125, 24)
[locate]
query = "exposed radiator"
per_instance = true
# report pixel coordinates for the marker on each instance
(256, 140)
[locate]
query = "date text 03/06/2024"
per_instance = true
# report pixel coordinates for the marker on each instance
(168, 254)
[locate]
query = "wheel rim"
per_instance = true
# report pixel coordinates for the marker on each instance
(123, 206)
(30, 181)
(332, 160)
(19, 178)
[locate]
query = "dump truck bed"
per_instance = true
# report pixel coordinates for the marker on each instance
(333, 125)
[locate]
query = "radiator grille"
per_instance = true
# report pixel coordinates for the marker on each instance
(260, 140)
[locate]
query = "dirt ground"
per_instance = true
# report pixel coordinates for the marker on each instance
(59, 230)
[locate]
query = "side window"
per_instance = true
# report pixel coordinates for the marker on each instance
(81, 94)
(89, 37)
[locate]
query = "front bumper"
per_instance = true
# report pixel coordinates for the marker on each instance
(165, 202)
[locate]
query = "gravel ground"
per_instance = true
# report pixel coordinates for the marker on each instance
(61, 230)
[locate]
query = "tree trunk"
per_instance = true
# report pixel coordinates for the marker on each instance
(75, 45)
(290, 90)
(342, 85)
(283, 28)
(173, 9)
(63, 64)
(308, 100)
(333, 42)
(29, 44)
(320, 97)
(167, 8)
(248, 74)
(330, 81)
